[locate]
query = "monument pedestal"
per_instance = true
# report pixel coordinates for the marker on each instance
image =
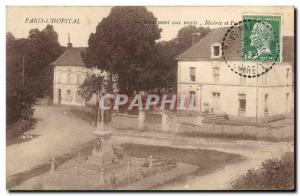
(104, 155)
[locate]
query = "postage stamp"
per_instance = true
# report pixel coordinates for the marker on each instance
(257, 39)
(261, 38)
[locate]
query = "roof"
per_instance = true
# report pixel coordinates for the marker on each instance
(71, 57)
(202, 49)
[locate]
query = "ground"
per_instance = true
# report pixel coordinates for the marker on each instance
(61, 132)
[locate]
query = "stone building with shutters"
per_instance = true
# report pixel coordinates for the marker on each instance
(203, 72)
(69, 73)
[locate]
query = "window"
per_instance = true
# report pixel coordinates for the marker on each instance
(78, 78)
(69, 92)
(216, 50)
(58, 78)
(215, 95)
(69, 77)
(242, 102)
(192, 93)
(193, 74)
(216, 74)
(287, 98)
(266, 103)
(287, 73)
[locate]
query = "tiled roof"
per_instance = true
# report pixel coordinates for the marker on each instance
(71, 57)
(202, 49)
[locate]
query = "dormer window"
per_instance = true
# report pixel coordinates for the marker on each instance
(216, 50)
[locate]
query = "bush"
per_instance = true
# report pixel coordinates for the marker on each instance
(19, 110)
(274, 174)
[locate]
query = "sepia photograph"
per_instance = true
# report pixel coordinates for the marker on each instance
(150, 98)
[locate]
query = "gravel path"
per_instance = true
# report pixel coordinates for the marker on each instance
(59, 134)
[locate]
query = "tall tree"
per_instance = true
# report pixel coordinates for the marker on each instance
(19, 99)
(29, 73)
(42, 49)
(165, 71)
(189, 35)
(124, 45)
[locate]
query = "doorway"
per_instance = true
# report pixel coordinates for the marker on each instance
(216, 102)
(59, 96)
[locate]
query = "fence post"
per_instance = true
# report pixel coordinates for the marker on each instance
(165, 121)
(52, 168)
(142, 116)
(101, 177)
(77, 168)
(150, 161)
(128, 170)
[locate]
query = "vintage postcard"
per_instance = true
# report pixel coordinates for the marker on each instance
(150, 98)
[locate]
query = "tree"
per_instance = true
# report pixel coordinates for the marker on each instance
(20, 100)
(96, 85)
(92, 85)
(29, 73)
(124, 45)
(42, 49)
(188, 35)
(165, 72)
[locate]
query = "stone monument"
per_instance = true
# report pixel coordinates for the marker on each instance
(102, 154)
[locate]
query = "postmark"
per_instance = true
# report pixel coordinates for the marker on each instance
(251, 47)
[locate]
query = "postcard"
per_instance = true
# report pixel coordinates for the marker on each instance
(150, 98)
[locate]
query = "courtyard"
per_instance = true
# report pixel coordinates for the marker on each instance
(62, 134)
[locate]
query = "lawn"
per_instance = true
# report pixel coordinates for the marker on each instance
(206, 160)
(226, 136)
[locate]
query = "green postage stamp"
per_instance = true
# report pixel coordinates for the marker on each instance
(261, 38)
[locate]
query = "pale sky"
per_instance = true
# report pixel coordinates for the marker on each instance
(89, 17)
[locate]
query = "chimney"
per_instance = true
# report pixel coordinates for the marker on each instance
(69, 43)
(195, 37)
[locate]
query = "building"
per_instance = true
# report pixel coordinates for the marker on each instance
(203, 72)
(69, 73)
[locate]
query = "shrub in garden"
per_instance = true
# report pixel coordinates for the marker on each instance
(274, 174)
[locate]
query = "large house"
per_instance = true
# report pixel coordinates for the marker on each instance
(69, 73)
(203, 72)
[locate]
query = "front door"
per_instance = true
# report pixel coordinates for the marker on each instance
(216, 102)
(59, 96)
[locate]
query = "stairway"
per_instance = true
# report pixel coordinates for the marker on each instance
(215, 118)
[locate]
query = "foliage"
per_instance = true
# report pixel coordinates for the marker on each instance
(125, 46)
(164, 72)
(28, 70)
(274, 174)
(25, 102)
(92, 84)
(189, 35)
(43, 48)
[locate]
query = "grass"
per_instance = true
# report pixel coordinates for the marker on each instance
(226, 136)
(274, 174)
(203, 158)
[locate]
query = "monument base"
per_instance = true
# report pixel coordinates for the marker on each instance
(103, 156)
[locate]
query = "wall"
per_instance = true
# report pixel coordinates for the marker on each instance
(77, 75)
(276, 83)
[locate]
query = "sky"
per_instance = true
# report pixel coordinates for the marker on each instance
(19, 20)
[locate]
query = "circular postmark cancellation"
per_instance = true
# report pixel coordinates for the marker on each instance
(250, 48)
